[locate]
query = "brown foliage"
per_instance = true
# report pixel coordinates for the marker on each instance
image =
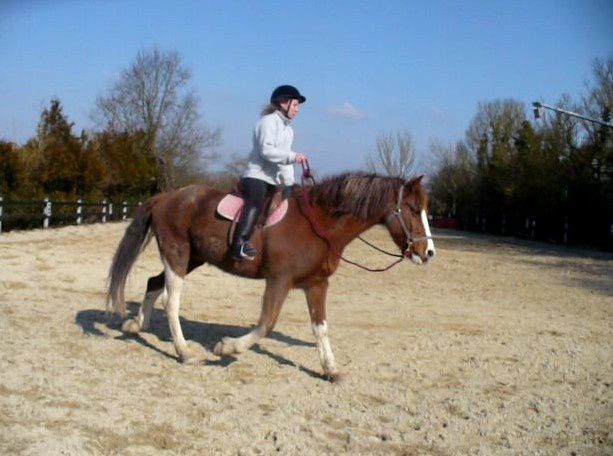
(11, 168)
(127, 167)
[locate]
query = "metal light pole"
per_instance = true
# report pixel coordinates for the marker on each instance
(538, 110)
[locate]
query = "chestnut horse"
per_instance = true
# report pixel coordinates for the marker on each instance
(301, 251)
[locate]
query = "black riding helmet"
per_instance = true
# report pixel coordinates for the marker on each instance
(286, 92)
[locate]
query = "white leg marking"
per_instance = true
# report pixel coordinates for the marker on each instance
(323, 345)
(141, 321)
(245, 342)
(430, 242)
(231, 345)
(174, 284)
(144, 313)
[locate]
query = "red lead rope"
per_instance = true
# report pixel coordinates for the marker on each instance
(307, 210)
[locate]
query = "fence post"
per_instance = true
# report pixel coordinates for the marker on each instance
(533, 227)
(1, 214)
(110, 211)
(104, 211)
(46, 212)
(79, 211)
(124, 211)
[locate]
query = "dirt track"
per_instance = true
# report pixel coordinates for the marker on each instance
(498, 347)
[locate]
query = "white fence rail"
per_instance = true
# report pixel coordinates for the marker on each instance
(49, 211)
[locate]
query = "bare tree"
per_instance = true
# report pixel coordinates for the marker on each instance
(494, 125)
(152, 96)
(235, 167)
(452, 181)
(394, 156)
(598, 103)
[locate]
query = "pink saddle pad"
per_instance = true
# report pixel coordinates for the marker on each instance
(230, 206)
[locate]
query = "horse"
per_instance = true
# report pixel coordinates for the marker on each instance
(301, 251)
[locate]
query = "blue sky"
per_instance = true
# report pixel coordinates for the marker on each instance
(365, 67)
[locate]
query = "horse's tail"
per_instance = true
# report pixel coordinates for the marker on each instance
(134, 240)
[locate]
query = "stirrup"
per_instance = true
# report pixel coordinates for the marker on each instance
(245, 251)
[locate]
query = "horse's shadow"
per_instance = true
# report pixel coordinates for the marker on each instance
(206, 334)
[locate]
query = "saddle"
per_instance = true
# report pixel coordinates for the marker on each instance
(275, 207)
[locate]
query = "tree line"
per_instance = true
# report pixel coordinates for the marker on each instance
(507, 171)
(61, 165)
(551, 176)
(149, 137)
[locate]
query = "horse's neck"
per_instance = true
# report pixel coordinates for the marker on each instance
(346, 228)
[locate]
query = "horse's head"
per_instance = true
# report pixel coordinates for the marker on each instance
(408, 222)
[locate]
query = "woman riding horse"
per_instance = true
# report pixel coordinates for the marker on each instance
(324, 217)
(270, 163)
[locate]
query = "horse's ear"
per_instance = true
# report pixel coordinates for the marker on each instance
(416, 181)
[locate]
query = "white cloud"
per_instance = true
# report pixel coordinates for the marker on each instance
(347, 111)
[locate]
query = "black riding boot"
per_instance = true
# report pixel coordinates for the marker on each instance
(241, 247)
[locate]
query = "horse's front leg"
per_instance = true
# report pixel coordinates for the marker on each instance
(274, 296)
(316, 299)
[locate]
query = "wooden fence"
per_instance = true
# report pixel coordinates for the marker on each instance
(23, 214)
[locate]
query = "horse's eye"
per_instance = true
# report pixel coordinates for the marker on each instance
(413, 209)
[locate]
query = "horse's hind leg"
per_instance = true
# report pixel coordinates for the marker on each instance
(174, 284)
(274, 296)
(316, 300)
(155, 287)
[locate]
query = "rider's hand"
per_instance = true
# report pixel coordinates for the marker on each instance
(300, 158)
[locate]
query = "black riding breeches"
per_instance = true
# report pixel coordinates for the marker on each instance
(254, 191)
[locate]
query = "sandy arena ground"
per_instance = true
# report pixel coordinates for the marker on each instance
(499, 347)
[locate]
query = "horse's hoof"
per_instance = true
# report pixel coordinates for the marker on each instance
(222, 348)
(225, 346)
(217, 350)
(130, 326)
(337, 378)
(189, 358)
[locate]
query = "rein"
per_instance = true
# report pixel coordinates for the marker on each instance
(308, 212)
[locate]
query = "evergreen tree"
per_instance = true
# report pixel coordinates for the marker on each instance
(60, 153)
(11, 169)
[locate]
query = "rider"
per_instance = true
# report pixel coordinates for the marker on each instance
(270, 163)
